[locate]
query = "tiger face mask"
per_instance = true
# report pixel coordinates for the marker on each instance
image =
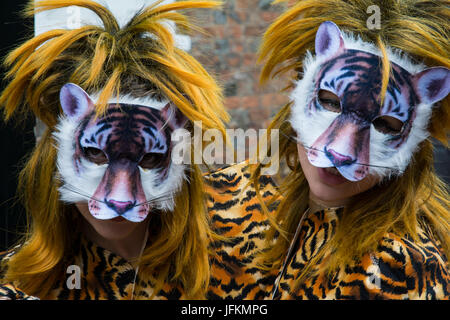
(119, 162)
(337, 113)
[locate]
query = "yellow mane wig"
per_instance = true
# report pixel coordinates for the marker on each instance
(113, 61)
(400, 205)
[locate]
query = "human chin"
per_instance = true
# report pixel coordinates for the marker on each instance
(111, 229)
(328, 185)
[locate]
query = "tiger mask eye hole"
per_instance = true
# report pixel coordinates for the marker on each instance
(329, 101)
(388, 125)
(151, 160)
(95, 155)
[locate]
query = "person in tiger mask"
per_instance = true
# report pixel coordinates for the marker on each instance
(362, 214)
(111, 214)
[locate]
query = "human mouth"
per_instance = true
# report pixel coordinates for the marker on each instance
(118, 219)
(331, 176)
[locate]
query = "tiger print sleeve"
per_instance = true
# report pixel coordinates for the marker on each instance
(236, 214)
(8, 291)
(416, 270)
(427, 270)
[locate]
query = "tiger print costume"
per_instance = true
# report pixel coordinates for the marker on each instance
(104, 275)
(399, 269)
(235, 214)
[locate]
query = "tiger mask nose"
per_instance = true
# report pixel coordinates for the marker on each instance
(120, 206)
(344, 145)
(338, 159)
(121, 193)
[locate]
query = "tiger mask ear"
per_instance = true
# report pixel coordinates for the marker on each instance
(329, 41)
(173, 116)
(432, 84)
(75, 102)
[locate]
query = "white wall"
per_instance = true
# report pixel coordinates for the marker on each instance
(74, 17)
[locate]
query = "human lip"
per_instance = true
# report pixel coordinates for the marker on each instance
(118, 219)
(331, 176)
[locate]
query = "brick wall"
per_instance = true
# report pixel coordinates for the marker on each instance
(229, 52)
